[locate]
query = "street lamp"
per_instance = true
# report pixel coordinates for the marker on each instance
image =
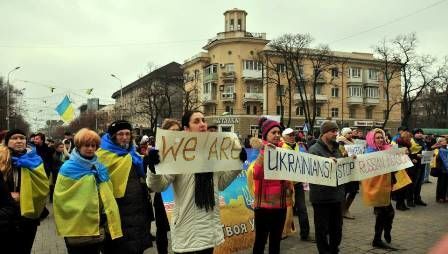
(121, 95)
(7, 97)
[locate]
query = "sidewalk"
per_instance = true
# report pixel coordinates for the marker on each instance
(414, 231)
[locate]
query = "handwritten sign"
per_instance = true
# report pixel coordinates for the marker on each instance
(354, 149)
(282, 164)
(197, 152)
(371, 164)
(427, 156)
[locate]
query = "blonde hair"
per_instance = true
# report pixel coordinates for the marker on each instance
(86, 136)
(5, 161)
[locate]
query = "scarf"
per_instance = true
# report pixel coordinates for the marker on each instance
(82, 185)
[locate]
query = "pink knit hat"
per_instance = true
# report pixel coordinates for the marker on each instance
(266, 125)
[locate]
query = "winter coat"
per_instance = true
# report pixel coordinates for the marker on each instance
(320, 194)
(193, 228)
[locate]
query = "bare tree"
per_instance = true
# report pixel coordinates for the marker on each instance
(390, 70)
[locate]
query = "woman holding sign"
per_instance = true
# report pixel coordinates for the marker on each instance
(196, 222)
(376, 193)
(272, 197)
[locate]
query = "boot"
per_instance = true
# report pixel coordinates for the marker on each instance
(411, 203)
(381, 245)
(401, 206)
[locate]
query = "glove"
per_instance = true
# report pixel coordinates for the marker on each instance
(243, 155)
(153, 159)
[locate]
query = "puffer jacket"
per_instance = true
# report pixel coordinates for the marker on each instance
(192, 228)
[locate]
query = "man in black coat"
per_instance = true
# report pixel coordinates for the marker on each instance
(327, 200)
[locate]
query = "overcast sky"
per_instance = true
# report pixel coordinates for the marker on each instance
(76, 45)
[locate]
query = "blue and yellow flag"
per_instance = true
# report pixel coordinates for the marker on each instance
(65, 110)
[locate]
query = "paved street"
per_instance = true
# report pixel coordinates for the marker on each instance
(414, 231)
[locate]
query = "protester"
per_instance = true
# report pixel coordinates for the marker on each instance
(162, 223)
(83, 183)
(58, 160)
(430, 142)
(272, 197)
(45, 152)
(351, 188)
(299, 192)
(196, 222)
(403, 141)
(400, 130)
(327, 200)
(377, 191)
(417, 146)
(67, 148)
(69, 137)
(439, 170)
(24, 179)
(143, 147)
(118, 153)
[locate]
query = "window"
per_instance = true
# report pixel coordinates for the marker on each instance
(334, 112)
(253, 88)
(318, 89)
(229, 89)
(281, 90)
(254, 130)
(206, 88)
(255, 110)
(248, 109)
(281, 68)
(252, 65)
(355, 91)
(230, 67)
(239, 25)
(196, 75)
(372, 92)
(318, 111)
(369, 113)
(300, 111)
(384, 114)
(280, 110)
(229, 109)
(373, 74)
(355, 72)
(334, 92)
(213, 68)
(334, 72)
(352, 113)
(232, 24)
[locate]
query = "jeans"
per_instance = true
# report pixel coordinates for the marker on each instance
(328, 227)
(301, 211)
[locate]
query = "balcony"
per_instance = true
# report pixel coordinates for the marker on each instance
(371, 101)
(228, 97)
(353, 100)
(321, 98)
(228, 76)
(252, 75)
(208, 98)
(211, 77)
(253, 97)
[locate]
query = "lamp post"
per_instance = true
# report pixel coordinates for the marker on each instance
(121, 95)
(7, 97)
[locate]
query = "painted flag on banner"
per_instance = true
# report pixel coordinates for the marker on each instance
(65, 110)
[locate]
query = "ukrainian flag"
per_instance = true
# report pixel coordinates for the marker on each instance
(65, 110)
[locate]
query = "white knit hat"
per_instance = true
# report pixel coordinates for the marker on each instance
(345, 131)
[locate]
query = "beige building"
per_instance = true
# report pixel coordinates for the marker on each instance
(233, 90)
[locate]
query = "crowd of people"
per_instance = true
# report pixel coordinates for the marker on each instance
(100, 188)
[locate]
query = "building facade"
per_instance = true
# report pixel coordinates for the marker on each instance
(152, 98)
(233, 87)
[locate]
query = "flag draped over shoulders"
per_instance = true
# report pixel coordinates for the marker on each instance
(119, 162)
(83, 187)
(34, 186)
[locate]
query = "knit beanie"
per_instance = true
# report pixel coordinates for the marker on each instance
(267, 125)
(13, 132)
(345, 131)
(117, 126)
(327, 126)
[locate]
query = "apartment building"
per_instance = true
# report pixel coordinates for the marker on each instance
(233, 88)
